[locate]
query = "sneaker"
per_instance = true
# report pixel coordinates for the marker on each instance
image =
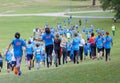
(15, 71)
(29, 68)
(19, 73)
(109, 59)
(56, 65)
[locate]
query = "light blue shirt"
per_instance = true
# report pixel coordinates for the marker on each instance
(17, 47)
(48, 39)
(108, 41)
(75, 43)
(29, 49)
(9, 56)
(99, 41)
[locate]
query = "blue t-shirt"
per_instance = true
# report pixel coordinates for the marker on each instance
(86, 49)
(83, 29)
(29, 49)
(71, 52)
(89, 46)
(91, 29)
(17, 46)
(103, 32)
(68, 45)
(9, 56)
(61, 32)
(98, 30)
(64, 20)
(86, 31)
(37, 53)
(48, 39)
(68, 21)
(1, 59)
(108, 41)
(76, 26)
(99, 41)
(75, 43)
(59, 26)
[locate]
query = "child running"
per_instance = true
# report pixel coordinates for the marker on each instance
(17, 44)
(75, 45)
(99, 43)
(37, 55)
(57, 42)
(8, 60)
(29, 53)
(108, 42)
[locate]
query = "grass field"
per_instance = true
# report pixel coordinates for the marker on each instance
(94, 14)
(89, 71)
(38, 6)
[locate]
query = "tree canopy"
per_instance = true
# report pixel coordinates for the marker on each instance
(113, 5)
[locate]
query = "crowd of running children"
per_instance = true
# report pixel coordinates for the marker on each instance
(49, 45)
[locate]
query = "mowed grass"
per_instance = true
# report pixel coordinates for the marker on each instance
(41, 6)
(93, 14)
(89, 71)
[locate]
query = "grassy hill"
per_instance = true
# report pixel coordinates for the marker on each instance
(38, 6)
(89, 71)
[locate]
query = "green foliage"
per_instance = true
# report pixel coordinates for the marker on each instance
(113, 5)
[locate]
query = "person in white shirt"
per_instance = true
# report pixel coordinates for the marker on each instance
(82, 43)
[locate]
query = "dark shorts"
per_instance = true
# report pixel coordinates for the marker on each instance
(86, 54)
(13, 63)
(99, 49)
(1, 64)
(8, 65)
(29, 57)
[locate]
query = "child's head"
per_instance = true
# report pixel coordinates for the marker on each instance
(107, 33)
(92, 34)
(37, 44)
(17, 35)
(29, 42)
(57, 35)
(47, 30)
(75, 34)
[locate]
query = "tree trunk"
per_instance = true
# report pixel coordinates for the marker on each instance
(93, 2)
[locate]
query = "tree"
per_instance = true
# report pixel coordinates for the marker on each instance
(93, 2)
(112, 5)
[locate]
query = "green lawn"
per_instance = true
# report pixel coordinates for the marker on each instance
(38, 6)
(86, 72)
(93, 14)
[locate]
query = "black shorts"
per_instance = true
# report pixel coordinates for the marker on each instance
(99, 49)
(1, 64)
(8, 65)
(86, 54)
(13, 63)
(29, 57)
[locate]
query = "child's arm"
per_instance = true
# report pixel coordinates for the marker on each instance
(8, 48)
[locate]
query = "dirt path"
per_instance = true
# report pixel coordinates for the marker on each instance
(61, 14)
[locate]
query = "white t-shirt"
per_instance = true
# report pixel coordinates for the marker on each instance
(82, 42)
